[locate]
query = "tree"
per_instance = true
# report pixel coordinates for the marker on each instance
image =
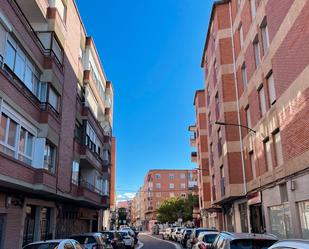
(176, 208)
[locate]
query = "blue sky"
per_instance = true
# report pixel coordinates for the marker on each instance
(151, 50)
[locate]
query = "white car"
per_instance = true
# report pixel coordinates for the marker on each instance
(127, 238)
(291, 243)
(176, 232)
(54, 244)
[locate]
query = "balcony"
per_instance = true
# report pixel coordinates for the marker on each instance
(194, 157)
(34, 10)
(51, 45)
(192, 128)
(222, 187)
(193, 142)
(88, 193)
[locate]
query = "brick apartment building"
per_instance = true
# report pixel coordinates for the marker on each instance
(199, 141)
(160, 184)
(56, 109)
(256, 64)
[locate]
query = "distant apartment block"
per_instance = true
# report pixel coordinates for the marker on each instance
(199, 141)
(256, 64)
(160, 185)
(56, 112)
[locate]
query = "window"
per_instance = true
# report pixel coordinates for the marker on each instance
(53, 98)
(171, 176)
(267, 152)
(248, 116)
(278, 147)
(75, 172)
(26, 140)
(217, 106)
(17, 136)
(256, 50)
(158, 185)
(262, 100)
(304, 218)
(283, 193)
(241, 36)
(280, 221)
(49, 157)
(252, 163)
(182, 185)
(23, 67)
(171, 185)
(244, 75)
(271, 89)
(238, 4)
(253, 8)
(157, 176)
(219, 143)
(92, 102)
(265, 37)
(182, 176)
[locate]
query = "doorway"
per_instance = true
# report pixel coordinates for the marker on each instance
(257, 219)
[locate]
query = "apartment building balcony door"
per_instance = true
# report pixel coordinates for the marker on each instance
(257, 219)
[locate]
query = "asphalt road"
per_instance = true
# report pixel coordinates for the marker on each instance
(148, 241)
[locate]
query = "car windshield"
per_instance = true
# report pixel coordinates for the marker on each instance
(188, 232)
(209, 238)
(84, 239)
(53, 245)
(251, 244)
(123, 234)
(199, 231)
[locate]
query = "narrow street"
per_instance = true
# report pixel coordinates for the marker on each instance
(154, 242)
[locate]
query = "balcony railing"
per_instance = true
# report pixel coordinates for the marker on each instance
(51, 45)
(222, 185)
(46, 40)
(85, 184)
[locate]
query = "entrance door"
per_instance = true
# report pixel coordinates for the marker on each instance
(29, 225)
(257, 219)
(243, 217)
(2, 223)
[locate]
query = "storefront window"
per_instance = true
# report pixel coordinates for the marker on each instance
(304, 218)
(280, 220)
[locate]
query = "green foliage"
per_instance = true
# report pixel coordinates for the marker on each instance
(174, 208)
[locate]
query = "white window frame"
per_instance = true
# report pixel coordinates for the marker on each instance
(265, 35)
(253, 9)
(75, 164)
(158, 176)
(21, 122)
(262, 99)
(182, 185)
(171, 186)
(244, 75)
(171, 176)
(278, 147)
(268, 155)
(271, 88)
(256, 50)
(182, 176)
(158, 185)
(241, 36)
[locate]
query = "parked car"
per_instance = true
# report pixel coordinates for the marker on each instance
(290, 244)
(168, 233)
(227, 240)
(176, 232)
(127, 238)
(132, 233)
(179, 235)
(54, 244)
(205, 240)
(114, 239)
(90, 240)
(195, 233)
(185, 236)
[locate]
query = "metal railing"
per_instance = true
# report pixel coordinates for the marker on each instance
(85, 184)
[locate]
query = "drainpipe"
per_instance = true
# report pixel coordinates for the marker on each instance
(237, 102)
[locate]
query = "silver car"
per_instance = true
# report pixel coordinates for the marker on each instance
(290, 244)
